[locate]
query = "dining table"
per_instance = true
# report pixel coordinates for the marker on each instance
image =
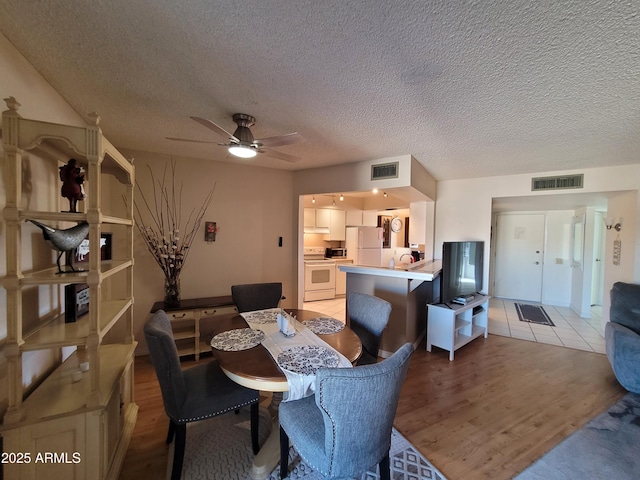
(256, 368)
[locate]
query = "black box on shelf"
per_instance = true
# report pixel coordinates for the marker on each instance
(76, 301)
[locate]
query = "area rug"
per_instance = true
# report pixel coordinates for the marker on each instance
(605, 448)
(220, 449)
(533, 314)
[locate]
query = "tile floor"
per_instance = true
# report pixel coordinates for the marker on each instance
(570, 330)
(335, 308)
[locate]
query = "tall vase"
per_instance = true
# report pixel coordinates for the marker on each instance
(172, 291)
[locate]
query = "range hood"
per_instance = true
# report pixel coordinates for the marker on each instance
(316, 229)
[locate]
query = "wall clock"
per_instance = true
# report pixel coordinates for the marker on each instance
(396, 224)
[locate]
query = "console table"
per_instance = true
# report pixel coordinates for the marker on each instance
(186, 321)
(450, 326)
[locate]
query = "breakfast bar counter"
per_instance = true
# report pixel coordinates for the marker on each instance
(408, 287)
(425, 270)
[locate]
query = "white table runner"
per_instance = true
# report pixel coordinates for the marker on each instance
(276, 342)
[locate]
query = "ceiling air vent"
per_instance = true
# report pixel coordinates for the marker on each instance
(557, 183)
(384, 170)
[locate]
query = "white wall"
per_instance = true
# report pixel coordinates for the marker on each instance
(463, 211)
(625, 205)
(252, 208)
(355, 177)
(39, 100)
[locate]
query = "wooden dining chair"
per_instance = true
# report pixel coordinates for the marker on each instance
(345, 427)
(195, 393)
(256, 296)
(368, 317)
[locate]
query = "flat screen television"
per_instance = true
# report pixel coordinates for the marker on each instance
(462, 269)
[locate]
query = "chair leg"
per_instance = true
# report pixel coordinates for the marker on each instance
(172, 430)
(255, 424)
(178, 452)
(385, 468)
(284, 454)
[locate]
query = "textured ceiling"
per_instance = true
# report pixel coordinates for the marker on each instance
(469, 88)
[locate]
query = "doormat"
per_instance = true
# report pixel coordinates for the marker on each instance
(533, 314)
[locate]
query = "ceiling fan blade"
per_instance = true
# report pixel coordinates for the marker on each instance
(189, 140)
(279, 155)
(288, 139)
(212, 126)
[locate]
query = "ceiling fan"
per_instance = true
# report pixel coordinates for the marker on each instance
(242, 144)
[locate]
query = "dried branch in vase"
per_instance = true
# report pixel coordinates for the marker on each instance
(160, 222)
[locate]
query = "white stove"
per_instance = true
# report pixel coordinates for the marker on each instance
(319, 275)
(316, 254)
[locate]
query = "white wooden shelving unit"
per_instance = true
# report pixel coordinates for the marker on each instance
(452, 326)
(92, 417)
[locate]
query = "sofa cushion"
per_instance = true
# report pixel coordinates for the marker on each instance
(625, 305)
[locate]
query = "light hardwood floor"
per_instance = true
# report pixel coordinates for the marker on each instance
(500, 405)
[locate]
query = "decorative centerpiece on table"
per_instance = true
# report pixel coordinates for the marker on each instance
(168, 236)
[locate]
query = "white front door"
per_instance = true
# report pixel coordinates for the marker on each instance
(519, 253)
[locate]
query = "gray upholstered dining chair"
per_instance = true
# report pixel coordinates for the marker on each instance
(345, 428)
(368, 317)
(195, 393)
(256, 296)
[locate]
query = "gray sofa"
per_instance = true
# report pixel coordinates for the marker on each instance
(622, 335)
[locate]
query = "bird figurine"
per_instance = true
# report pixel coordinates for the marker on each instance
(63, 240)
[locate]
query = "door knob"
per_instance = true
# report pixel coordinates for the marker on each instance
(537, 263)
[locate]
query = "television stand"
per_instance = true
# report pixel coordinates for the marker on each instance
(453, 325)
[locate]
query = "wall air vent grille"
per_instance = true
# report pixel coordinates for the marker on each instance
(384, 170)
(559, 182)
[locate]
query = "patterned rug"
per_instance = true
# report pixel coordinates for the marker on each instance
(220, 449)
(605, 448)
(533, 314)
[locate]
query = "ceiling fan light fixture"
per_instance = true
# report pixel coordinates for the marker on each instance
(242, 151)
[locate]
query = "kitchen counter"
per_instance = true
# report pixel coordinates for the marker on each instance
(425, 270)
(409, 288)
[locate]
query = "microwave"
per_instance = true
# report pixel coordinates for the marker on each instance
(335, 252)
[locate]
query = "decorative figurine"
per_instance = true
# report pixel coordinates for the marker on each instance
(72, 179)
(63, 240)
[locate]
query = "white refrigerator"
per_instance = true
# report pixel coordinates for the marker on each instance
(364, 245)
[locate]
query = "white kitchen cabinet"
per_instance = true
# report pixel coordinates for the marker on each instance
(337, 225)
(361, 218)
(341, 277)
(452, 326)
(310, 218)
(323, 218)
